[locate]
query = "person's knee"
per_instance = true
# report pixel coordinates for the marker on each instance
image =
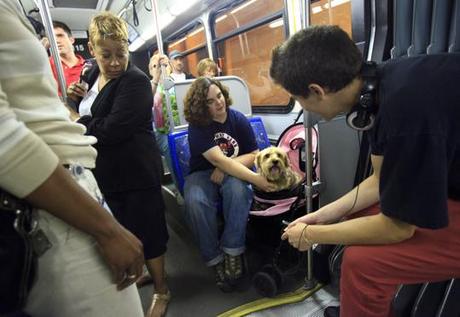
(236, 187)
(357, 261)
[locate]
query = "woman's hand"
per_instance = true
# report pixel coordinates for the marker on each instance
(45, 42)
(123, 252)
(77, 90)
(217, 176)
(74, 116)
(155, 66)
(263, 184)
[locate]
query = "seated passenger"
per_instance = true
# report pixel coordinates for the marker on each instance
(222, 148)
(207, 68)
(401, 224)
(46, 159)
(176, 59)
(117, 111)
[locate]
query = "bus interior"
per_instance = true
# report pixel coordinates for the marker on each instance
(239, 36)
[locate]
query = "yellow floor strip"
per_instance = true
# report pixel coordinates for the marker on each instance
(264, 303)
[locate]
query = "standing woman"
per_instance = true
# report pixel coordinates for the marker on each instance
(117, 110)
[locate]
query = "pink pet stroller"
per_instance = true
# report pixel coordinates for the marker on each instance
(270, 211)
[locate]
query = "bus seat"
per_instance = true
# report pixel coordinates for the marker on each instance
(438, 299)
(428, 299)
(239, 92)
(450, 305)
(259, 132)
(180, 151)
(404, 299)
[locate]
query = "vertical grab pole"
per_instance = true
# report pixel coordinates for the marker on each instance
(156, 25)
(167, 83)
(48, 23)
(310, 282)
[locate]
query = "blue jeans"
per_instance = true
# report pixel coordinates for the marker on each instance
(204, 200)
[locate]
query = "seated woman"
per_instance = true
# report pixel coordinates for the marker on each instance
(207, 67)
(117, 110)
(222, 148)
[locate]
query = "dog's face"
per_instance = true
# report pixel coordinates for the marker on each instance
(273, 164)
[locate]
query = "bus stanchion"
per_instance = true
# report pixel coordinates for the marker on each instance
(310, 281)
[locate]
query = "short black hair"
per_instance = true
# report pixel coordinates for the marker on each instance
(324, 55)
(62, 25)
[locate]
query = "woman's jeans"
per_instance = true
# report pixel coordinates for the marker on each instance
(204, 201)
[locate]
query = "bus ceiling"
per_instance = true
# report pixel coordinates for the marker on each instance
(173, 13)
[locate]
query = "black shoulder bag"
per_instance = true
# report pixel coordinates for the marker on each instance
(21, 243)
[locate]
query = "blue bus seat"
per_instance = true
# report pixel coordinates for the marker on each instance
(180, 150)
(259, 132)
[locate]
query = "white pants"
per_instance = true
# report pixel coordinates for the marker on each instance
(73, 279)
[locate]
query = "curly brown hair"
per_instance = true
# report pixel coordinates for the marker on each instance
(196, 110)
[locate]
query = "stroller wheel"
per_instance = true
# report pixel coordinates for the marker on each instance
(275, 273)
(268, 281)
(265, 284)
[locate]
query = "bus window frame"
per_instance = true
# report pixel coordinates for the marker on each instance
(182, 32)
(265, 109)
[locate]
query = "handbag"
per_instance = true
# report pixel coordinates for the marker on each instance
(21, 243)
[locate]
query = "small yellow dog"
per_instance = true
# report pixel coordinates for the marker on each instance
(273, 164)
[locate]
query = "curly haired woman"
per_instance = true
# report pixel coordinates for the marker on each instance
(223, 148)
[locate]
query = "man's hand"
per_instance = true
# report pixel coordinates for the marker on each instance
(123, 253)
(297, 236)
(309, 219)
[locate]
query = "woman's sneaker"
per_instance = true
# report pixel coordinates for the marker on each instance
(233, 267)
(221, 280)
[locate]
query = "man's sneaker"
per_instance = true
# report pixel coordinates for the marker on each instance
(233, 266)
(221, 280)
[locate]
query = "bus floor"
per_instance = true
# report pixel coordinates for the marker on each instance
(192, 284)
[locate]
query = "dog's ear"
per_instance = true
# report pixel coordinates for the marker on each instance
(285, 159)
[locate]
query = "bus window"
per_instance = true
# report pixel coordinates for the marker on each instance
(193, 45)
(244, 14)
(247, 54)
(336, 12)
